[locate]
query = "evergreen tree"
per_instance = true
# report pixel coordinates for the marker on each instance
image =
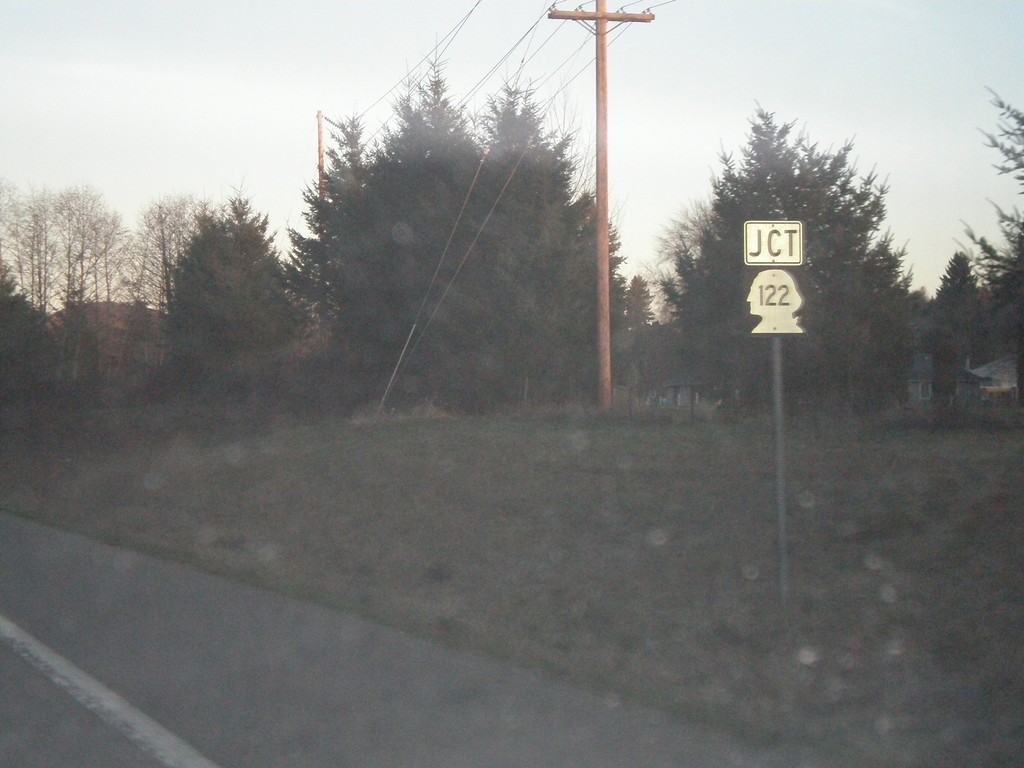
(1002, 266)
(633, 342)
(536, 261)
(639, 313)
(462, 244)
(955, 326)
(27, 352)
(382, 230)
(322, 270)
(857, 313)
(228, 305)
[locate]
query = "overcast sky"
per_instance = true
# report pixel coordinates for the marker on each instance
(143, 98)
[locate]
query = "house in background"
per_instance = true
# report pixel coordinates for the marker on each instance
(679, 394)
(998, 379)
(968, 391)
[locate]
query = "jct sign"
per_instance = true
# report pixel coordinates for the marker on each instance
(773, 243)
(774, 295)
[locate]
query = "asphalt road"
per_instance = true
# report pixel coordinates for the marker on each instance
(111, 658)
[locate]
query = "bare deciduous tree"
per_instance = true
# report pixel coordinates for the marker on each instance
(161, 239)
(92, 244)
(30, 245)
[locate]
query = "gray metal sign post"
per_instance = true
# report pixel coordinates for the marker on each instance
(775, 298)
(780, 465)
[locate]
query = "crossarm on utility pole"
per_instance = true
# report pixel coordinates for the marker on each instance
(591, 16)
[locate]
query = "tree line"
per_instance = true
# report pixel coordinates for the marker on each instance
(450, 260)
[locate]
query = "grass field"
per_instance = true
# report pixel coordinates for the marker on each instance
(637, 557)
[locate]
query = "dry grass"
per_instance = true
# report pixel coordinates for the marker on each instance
(637, 558)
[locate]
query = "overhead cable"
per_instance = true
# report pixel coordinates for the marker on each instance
(434, 54)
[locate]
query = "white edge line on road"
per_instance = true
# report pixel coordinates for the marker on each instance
(93, 695)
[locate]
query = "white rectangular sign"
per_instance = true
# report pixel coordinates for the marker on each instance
(773, 243)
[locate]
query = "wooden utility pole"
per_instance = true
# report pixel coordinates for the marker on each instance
(321, 187)
(601, 17)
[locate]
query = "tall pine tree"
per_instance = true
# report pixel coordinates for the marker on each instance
(857, 313)
(228, 309)
(1002, 265)
(457, 246)
(957, 324)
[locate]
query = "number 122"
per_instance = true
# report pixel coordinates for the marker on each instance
(774, 295)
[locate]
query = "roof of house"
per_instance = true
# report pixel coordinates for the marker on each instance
(923, 369)
(1004, 369)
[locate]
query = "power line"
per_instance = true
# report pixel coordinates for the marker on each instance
(523, 60)
(465, 258)
(450, 37)
(502, 60)
(579, 72)
(406, 351)
(472, 245)
(437, 270)
(647, 6)
(434, 53)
